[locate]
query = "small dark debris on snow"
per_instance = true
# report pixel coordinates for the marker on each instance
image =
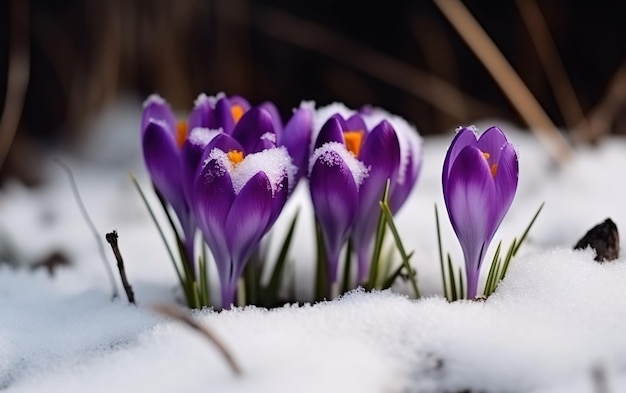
(604, 239)
(51, 262)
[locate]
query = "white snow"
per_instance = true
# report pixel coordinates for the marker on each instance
(556, 320)
(275, 163)
(331, 152)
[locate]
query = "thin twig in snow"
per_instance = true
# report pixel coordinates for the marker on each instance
(112, 239)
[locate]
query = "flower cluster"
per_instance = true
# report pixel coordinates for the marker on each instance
(230, 168)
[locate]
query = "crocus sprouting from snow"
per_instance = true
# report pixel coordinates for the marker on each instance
(237, 197)
(162, 138)
(479, 183)
(389, 149)
(348, 171)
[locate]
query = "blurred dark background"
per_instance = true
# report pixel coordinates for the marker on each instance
(77, 56)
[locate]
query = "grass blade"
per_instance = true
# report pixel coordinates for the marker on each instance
(378, 243)
(453, 293)
(405, 258)
(441, 264)
(523, 237)
(281, 260)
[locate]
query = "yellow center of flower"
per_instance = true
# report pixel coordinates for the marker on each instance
(181, 133)
(235, 156)
(353, 141)
(493, 167)
(237, 111)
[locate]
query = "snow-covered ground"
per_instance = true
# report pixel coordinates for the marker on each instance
(555, 324)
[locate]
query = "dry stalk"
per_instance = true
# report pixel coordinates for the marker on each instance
(184, 317)
(18, 75)
(428, 87)
(604, 114)
(112, 240)
(90, 224)
(553, 66)
(506, 77)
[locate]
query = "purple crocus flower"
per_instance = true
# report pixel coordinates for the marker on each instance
(226, 112)
(374, 157)
(390, 148)
(335, 175)
(296, 137)
(237, 197)
(218, 112)
(162, 138)
(479, 183)
(410, 154)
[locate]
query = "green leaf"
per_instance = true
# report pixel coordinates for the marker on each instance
(321, 276)
(279, 266)
(492, 271)
(182, 282)
(405, 258)
(441, 264)
(378, 244)
(523, 237)
(345, 286)
(507, 260)
(453, 293)
(461, 289)
(205, 297)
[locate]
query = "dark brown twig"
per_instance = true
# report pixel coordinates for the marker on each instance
(184, 317)
(18, 75)
(112, 239)
(91, 225)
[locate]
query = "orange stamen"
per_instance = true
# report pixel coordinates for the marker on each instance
(181, 133)
(486, 155)
(353, 141)
(235, 156)
(237, 111)
(494, 170)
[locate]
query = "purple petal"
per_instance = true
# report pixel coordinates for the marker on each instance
(355, 123)
(223, 116)
(162, 157)
(335, 201)
(191, 156)
(202, 114)
(400, 191)
(239, 101)
(463, 138)
(491, 142)
(506, 181)
(158, 109)
(296, 137)
(276, 119)
(278, 201)
(332, 131)
(224, 142)
(470, 197)
(381, 154)
(213, 198)
(255, 126)
(247, 221)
